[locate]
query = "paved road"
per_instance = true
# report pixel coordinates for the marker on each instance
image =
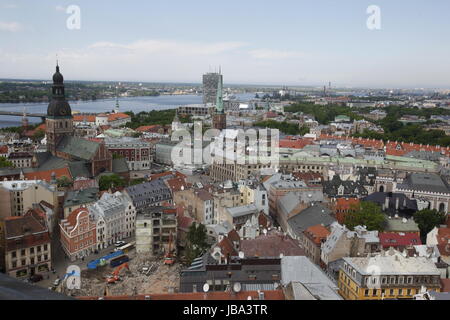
(61, 262)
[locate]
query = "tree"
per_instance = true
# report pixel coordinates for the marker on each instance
(4, 163)
(428, 219)
(111, 181)
(196, 242)
(367, 214)
(39, 134)
(63, 182)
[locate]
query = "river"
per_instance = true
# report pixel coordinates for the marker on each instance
(135, 104)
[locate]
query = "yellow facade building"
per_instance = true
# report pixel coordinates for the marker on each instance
(389, 275)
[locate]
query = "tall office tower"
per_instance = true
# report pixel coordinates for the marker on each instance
(210, 84)
(219, 117)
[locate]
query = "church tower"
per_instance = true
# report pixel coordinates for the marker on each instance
(59, 121)
(219, 117)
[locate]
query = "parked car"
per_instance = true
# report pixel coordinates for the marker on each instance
(36, 278)
(119, 243)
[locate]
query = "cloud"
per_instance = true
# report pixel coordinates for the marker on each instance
(10, 6)
(274, 54)
(10, 26)
(170, 47)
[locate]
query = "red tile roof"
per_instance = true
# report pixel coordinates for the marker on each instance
(84, 117)
(227, 247)
(151, 128)
(395, 148)
(317, 233)
(445, 285)
(47, 174)
(166, 173)
(84, 184)
(346, 203)
(403, 239)
(443, 239)
(271, 245)
(233, 236)
(117, 116)
(212, 295)
(295, 143)
(176, 184)
(371, 143)
(3, 149)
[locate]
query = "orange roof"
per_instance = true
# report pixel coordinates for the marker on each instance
(295, 143)
(176, 184)
(47, 175)
(372, 143)
(117, 116)
(346, 203)
(72, 217)
(84, 117)
(42, 126)
(395, 148)
(151, 128)
(317, 233)
(212, 295)
(166, 173)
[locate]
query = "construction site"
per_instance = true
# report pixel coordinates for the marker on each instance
(141, 274)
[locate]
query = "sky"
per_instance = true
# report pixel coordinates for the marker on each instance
(296, 43)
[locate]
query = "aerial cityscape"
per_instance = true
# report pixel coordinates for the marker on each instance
(197, 167)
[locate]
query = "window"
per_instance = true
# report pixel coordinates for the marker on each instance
(391, 292)
(24, 262)
(13, 254)
(32, 250)
(400, 292)
(22, 252)
(45, 247)
(366, 292)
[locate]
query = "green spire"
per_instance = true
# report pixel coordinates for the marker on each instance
(219, 98)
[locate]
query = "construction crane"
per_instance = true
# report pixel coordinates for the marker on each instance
(169, 258)
(115, 275)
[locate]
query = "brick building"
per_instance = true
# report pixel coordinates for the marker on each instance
(78, 234)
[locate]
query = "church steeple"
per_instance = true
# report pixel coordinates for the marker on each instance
(58, 106)
(59, 122)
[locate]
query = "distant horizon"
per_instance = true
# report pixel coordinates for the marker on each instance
(354, 44)
(251, 85)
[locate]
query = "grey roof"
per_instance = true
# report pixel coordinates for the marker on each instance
(311, 216)
(242, 210)
(424, 155)
(401, 225)
(302, 269)
(14, 289)
(331, 187)
(46, 161)
(314, 291)
(428, 182)
(149, 192)
(119, 165)
(404, 203)
(79, 148)
(291, 200)
(78, 197)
